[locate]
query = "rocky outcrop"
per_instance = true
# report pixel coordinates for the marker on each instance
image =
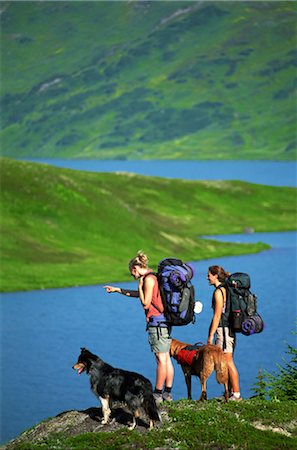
(71, 423)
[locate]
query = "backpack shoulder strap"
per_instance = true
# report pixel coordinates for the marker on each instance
(150, 273)
(225, 296)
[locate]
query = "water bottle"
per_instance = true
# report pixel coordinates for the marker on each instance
(236, 320)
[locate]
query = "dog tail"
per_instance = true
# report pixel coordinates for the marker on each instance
(150, 407)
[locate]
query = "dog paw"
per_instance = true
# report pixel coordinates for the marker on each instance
(152, 424)
(132, 425)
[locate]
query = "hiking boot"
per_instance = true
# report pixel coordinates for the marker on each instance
(158, 398)
(235, 399)
(167, 396)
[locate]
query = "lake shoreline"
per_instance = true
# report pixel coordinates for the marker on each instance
(111, 278)
(81, 228)
(268, 173)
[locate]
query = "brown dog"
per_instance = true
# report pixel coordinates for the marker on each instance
(201, 361)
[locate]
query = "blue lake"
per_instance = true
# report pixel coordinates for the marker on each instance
(42, 332)
(275, 173)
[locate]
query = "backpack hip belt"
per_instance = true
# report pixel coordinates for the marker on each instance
(157, 321)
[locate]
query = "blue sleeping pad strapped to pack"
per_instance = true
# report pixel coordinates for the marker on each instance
(242, 305)
(177, 291)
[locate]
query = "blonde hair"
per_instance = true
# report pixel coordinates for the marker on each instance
(139, 260)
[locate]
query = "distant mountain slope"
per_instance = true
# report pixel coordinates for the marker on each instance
(141, 80)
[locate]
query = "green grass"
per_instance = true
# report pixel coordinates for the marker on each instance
(148, 80)
(211, 425)
(61, 227)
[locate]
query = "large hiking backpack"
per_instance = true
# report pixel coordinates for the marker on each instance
(242, 305)
(177, 291)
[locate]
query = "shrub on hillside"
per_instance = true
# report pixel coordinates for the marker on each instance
(281, 384)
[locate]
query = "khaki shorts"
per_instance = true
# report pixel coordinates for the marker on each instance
(229, 337)
(159, 339)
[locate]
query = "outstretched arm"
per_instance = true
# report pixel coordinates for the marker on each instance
(127, 292)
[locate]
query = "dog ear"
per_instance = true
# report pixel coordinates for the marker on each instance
(83, 349)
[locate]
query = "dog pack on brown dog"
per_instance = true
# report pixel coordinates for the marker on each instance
(200, 361)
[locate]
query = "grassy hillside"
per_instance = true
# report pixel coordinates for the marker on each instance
(146, 79)
(187, 425)
(61, 227)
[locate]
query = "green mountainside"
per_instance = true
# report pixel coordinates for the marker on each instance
(148, 79)
(62, 227)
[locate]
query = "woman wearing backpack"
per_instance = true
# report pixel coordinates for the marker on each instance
(220, 327)
(158, 331)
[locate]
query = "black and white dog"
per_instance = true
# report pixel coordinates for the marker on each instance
(109, 383)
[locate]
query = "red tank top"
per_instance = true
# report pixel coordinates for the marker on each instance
(156, 307)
